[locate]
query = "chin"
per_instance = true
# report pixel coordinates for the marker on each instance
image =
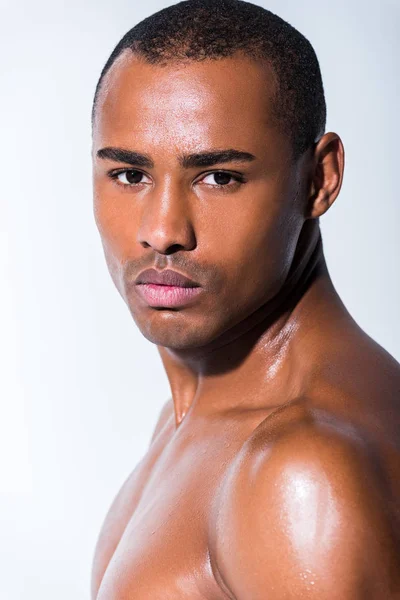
(171, 329)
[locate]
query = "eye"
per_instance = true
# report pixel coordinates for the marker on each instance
(222, 179)
(128, 177)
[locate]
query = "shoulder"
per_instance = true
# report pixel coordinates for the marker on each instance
(166, 412)
(304, 509)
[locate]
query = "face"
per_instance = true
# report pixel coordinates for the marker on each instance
(206, 186)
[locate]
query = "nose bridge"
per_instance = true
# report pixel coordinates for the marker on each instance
(165, 219)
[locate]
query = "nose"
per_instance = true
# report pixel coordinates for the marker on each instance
(165, 223)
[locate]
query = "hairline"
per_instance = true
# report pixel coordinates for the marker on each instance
(129, 53)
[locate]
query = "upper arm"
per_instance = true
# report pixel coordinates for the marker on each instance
(307, 519)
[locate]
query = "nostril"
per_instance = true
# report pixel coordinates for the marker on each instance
(173, 248)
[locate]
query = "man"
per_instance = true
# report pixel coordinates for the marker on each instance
(274, 469)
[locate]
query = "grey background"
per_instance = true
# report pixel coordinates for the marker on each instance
(80, 389)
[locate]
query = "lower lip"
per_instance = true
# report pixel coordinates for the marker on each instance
(167, 295)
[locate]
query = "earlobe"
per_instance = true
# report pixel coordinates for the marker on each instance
(327, 175)
(319, 204)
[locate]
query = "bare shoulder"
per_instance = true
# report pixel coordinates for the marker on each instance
(166, 413)
(304, 510)
(359, 380)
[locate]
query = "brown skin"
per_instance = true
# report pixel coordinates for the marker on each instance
(274, 470)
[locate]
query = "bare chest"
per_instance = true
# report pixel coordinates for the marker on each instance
(158, 538)
(163, 551)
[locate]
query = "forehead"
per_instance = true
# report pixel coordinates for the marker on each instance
(225, 102)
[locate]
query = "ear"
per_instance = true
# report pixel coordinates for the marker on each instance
(326, 176)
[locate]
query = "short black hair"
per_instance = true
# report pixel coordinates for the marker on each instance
(196, 30)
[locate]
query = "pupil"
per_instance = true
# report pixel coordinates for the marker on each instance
(222, 178)
(133, 176)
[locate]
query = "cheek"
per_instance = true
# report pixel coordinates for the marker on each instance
(116, 224)
(117, 232)
(256, 248)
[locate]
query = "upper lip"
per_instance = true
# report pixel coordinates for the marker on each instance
(166, 277)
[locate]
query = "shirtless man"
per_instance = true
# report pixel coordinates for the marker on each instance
(274, 469)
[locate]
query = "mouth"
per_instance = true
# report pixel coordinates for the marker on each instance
(165, 277)
(166, 289)
(167, 296)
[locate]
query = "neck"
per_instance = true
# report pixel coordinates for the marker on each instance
(263, 361)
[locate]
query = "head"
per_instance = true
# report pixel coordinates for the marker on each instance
(209, 158)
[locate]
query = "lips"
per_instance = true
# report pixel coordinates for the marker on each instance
(166, 277)
(166, 289)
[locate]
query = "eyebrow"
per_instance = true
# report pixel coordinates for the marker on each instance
(187, 161)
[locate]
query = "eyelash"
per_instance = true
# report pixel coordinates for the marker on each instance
(236, 176)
